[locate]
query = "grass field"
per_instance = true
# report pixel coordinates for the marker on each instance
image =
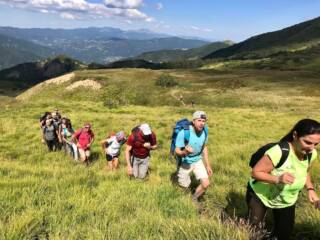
(49, 196)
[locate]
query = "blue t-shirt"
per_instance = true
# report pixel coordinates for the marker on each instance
(195, 142)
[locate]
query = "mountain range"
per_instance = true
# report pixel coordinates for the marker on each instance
(101, 45)
(183, 54)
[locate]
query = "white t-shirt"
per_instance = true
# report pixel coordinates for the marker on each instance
(113, 148)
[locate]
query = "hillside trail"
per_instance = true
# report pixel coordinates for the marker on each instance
(178, 98)
(58, 80)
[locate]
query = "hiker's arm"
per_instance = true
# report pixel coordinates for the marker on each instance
(104, 145)
(42, 136)
(262, 172)
(60, 133)
(153, 147)
(180, 152)
(312, 195)
(206, 160)
(128, 159)
(92, 140)
(153, 143)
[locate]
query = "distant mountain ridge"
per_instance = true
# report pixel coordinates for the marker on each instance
(183, 55)
(301, 35)
(24, 75)
(101, 45)
(15, 51)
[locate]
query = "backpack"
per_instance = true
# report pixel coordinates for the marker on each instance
(135, 131)
(285, 149)
(184, 124)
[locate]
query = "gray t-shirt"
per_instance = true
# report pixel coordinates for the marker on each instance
(49, 132)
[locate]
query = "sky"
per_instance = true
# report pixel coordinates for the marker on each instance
(213, 20)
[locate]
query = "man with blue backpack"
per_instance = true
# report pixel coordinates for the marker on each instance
(189, 144)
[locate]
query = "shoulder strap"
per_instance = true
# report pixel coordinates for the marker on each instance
(285, 149)
(186, 131)
(309, 156)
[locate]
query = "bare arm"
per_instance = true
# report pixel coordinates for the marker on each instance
(128, 158)
(206, 160)
(262, 172)
(182, 153)
(312, 195)
(104, 144)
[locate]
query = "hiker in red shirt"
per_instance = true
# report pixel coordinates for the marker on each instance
(84, 138)
(139, 144)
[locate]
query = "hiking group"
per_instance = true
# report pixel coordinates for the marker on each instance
(279, 172)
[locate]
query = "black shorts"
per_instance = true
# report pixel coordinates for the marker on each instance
(110, 157)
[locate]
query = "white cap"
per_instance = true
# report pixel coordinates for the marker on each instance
(145, 128)
(199, 114)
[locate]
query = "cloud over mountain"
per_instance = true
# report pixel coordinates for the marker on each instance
(82, 9)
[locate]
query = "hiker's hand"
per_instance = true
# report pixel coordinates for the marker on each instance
(147, 145)
(43, 141)
(209, 170)
(313, 197)
(188, 149)
(286, 178)
(129, 170)
(317, 204)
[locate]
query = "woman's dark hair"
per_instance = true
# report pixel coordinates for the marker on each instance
(302, 128)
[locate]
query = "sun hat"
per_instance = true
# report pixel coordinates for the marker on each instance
(145, 128)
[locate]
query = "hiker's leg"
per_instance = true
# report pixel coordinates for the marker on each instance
(256, 209)
(183, 175)
(201, 174)
(115, 163)
(82, 155)
(87, 153)
(69, 149)
(200, 190)
(109, 161)
(49, 145)
(135, 166)
(75, 151)
(143, 167)
(283, 222)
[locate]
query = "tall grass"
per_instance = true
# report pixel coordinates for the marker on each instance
(49, 196)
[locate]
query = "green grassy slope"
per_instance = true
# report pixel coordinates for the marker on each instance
(183, 55)
(300, 35)
(307, 59)
(47, 195)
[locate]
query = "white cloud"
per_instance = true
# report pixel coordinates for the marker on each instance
(195, 28)
(81, 9)
(67, 16)
(125, 4)
(159, 6)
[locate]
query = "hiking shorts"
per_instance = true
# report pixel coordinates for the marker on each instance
(184, 171)
(111, 157)
(140, 167)
(84, 152)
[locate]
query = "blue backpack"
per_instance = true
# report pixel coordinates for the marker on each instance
(184, 124)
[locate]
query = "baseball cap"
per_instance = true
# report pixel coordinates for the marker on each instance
(145, 128)
(120, 135)
(87, 125)
(199, 114)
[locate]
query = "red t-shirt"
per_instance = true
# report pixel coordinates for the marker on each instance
(84, 138)
(136, 140)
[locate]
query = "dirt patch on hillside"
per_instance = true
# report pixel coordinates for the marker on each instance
(88, 83)
(38, 87)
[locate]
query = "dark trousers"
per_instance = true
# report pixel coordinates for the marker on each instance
(52, 145)
(283, 217)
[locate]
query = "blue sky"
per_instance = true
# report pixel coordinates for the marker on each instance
(211, 19)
